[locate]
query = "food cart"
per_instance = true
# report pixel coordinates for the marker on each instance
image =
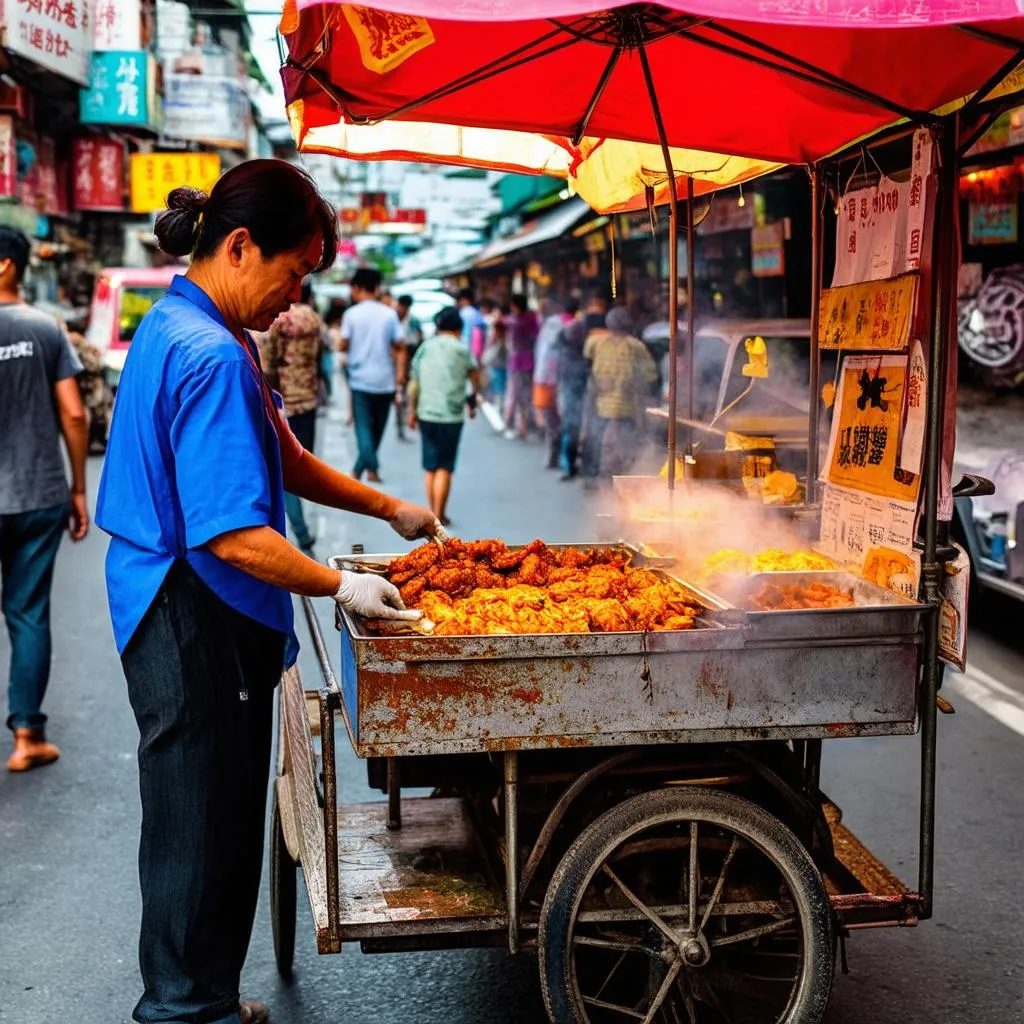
(641, 809)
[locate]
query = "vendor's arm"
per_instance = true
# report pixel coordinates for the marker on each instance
(308, 477)
(262, 552)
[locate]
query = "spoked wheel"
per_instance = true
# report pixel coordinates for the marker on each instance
(686, 907)
(282, 896)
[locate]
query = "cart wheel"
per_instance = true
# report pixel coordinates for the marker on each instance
(686, 907)
(282, 896)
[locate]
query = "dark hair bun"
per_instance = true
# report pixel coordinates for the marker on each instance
(176, 226)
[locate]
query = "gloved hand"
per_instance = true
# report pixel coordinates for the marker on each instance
(372, 597)
(412, 522)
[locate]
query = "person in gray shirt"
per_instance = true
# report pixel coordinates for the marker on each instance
(39, 401)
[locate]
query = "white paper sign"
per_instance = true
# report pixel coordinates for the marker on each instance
(116, 25)
(915, 422)
(57, 36)
(852, 523)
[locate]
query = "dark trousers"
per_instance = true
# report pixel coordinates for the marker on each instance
(571, 399)
(201, 679)
(304, 428)
(370, 412)
(28, 550)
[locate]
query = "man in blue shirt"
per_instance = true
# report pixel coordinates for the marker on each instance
(200, 574)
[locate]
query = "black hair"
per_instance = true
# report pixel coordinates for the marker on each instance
(449, 319)
(488, 304)
(306, 291)
(14, 246)
(519, 302)
(467, 294)
(405, 300)
(602, 293)
(572, 306)
(367, 278)
(277, 203)
(335, 312)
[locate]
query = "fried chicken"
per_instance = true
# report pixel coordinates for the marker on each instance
(483, 588)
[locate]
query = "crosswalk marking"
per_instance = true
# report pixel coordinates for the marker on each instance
(995, 698)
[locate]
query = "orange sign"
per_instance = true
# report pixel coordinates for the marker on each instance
(872, 315)
(865, 443)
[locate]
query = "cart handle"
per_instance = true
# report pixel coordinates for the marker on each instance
(320, 646)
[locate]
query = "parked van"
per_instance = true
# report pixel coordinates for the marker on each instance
(121, 297)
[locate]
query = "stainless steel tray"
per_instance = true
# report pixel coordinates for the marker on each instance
(877, 612)
(410, 695)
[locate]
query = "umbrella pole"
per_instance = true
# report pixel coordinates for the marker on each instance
(691, 249)
(673, 272)
(814, 386)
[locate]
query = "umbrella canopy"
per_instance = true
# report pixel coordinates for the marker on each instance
(612, 176)
(774, 92)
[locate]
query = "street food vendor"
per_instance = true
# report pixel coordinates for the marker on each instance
(200, 575)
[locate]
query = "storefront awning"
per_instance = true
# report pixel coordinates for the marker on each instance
(548, 226)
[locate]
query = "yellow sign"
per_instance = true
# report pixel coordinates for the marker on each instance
(872, 315)
(154, 175)
(387, 39)
(865, 444)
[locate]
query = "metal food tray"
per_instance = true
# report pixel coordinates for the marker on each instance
(413, 695)
(877, 612)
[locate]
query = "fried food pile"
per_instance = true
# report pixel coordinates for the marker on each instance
(786, 597)
(732, 562)
(482, 587)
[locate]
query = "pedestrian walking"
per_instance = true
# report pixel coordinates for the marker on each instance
(622, 376)
(291, 351)
(371, 335)
(412, 333)
(573, 374)
(522, 327)
(97, 396)
(438, 404)
(200, 577)
(339, 357)
(474, 327)
(495, 357)
(545, 380)
(39, 403)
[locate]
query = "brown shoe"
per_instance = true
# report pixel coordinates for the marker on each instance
(252, 1012)
(373, 477)
(31, 751)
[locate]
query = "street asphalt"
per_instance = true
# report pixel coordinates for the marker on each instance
(69, 906)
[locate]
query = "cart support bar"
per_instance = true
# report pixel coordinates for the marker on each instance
(512, 848)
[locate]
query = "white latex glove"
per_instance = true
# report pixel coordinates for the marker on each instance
(412, 522)
(372, 597)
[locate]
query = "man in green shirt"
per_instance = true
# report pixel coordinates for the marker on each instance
(438, 402)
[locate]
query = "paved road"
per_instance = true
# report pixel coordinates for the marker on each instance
(68, 901)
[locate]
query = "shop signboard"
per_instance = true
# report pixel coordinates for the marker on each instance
(116, 25)
(154, 175)
(121, 86)
(992, 223)
(51, 200)
(55, 34)
(97, 169)
(213, 109)
(8, 158)
(375, 218)
(871, 315)
(768, 250)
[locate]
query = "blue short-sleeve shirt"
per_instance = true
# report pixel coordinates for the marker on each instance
(192, 454)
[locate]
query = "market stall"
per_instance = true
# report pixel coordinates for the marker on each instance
(626, 740)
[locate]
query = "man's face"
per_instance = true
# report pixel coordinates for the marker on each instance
(403, 310)
(272, 285)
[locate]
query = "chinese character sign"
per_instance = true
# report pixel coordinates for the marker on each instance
(8, 158)
(116, 25)
(874, 315)
(154, 175)
(118, 91)
(865, 443)
(97, 170)
(56, 34)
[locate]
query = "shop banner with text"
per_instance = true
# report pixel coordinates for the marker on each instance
(872, 315)
(97, 170)
(55, 34)
(154, 175)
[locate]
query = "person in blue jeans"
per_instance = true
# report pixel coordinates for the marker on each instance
(371, 335)
(39, 402)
